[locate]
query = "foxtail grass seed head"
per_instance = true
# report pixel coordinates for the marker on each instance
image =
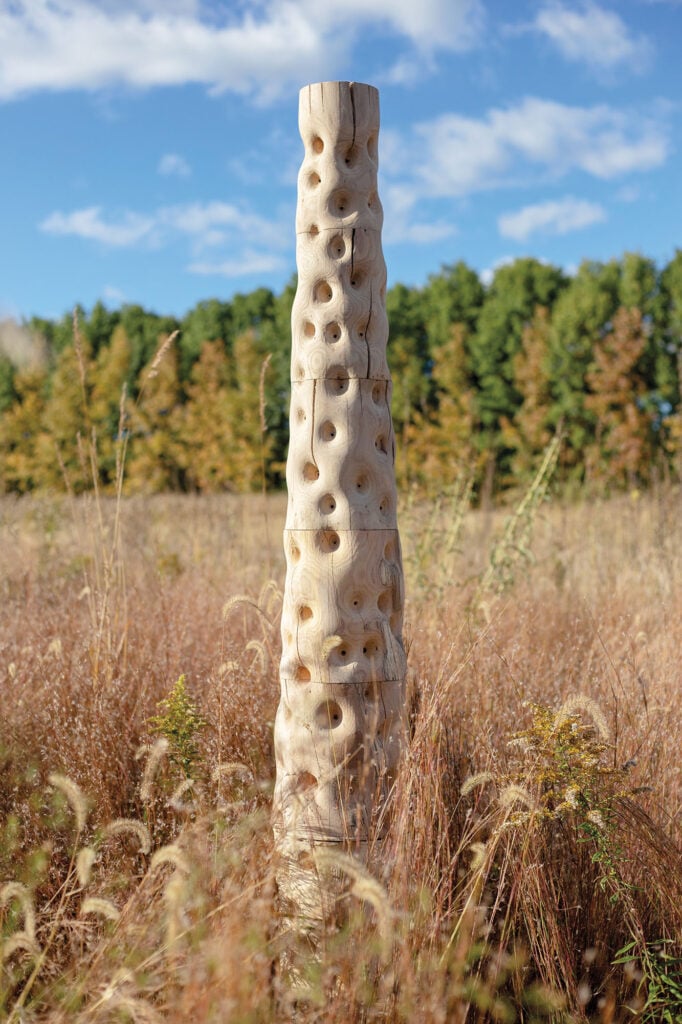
(156, 754)
(84, 860)
(100, 907)
(170, 854)
(74, 796)
(131, 826)
(579, 702)
(160, 353)
(228, 768)
(175, 800)
(514, 794)
(474, 781)
(18, 891)
(20, 941)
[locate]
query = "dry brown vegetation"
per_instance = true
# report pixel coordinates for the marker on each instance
(523, 855)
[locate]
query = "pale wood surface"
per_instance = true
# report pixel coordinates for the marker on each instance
(339, 732)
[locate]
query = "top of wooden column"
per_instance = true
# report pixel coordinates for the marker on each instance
(339, 125)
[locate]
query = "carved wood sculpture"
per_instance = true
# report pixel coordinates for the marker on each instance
(339, 728)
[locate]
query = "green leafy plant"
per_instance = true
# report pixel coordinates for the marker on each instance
(180, 722)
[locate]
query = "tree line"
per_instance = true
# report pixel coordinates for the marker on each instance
(485, 374)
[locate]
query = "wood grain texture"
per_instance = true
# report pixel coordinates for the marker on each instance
(339, 732)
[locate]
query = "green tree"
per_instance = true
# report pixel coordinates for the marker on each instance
(206, 434)
(21, 433)
(154, 462)
(510, 303)
(582, 314)
(621, 452)
(67, 421)
(441, 439)
(454, 296)
(529, 432)
(207, 321)
(108, 377)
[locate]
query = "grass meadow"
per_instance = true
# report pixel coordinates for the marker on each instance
(533, 871)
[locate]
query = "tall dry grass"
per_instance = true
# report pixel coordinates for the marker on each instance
(533, 840)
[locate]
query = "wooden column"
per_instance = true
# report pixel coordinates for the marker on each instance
(339, 731)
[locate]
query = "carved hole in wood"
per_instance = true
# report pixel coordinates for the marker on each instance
(357, 279)
(327, 431)
(362, 328)
(306, 780)
(372, 147)
(362, 483)
(337, 247)
(339, 203)
(329, 715)
(385, 601)
(309, 329)
(385, 505)
(351, 156)
(322, 292)
(317, 145)
(310, 472)
(332, 332)
(327, 504)
(313, 230)
(371, 647)
(328, 541)
(305, 613)
(356, 600)
(295, 553)
(377, 392)
(301, 415)
(337, 381)
(314, 179)
(302, 674)
(380, 444)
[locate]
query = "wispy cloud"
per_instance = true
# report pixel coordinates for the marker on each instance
(249, 263)
(257, 49)
(593, 35)
(257, 241)
(554, 217)
(462, 155)
(174, 165)
(88, 223)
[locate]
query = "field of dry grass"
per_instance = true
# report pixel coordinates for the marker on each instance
(533, 871)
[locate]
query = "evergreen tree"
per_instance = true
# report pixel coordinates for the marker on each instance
(21, 433)
(582, 314)
(529, 433)
(441, 440)
(207, 425)
(510, 302)
(108, 377)
(154, 462)
(621, 452)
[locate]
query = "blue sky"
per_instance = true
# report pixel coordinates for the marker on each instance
(149, 148)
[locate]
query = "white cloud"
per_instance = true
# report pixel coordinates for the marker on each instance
(113, 294)
(88, 223)
(594, 35)
(256, 240)
(248, 263)
(400, 225)
(461, 155)
(258, 49)
(174, 165)
(554, 217)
